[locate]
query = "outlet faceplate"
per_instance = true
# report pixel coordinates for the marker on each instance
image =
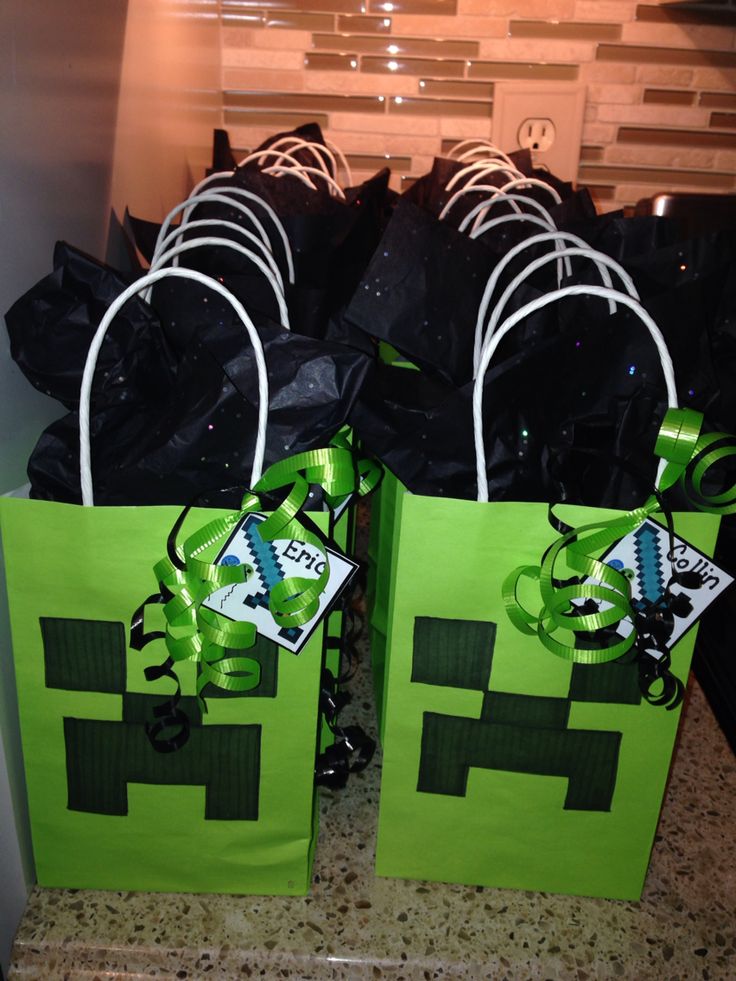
(517, 105)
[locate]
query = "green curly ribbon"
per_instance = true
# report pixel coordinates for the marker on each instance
(370, 471)
(195, 632)
(689, 455)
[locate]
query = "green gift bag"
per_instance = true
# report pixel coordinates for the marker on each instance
(232, 809)
(505, 765)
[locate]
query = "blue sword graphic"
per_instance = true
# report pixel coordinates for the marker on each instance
(649, 565)
(266, 561)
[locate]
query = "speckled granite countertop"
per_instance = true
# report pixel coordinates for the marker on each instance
(356, 926)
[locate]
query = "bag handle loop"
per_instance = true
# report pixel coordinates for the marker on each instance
(85, 467)
(214, 197)
(523, 182)
(560, 239)
(476, 144)
(513, 319)
(334, 188)
(294, 143)
(229, 190)
(281, 158)
(477, 170)
(253, 240)
(501, 197)
(275, 281)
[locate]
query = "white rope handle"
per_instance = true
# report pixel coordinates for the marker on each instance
(214, 197)
(478, 145)
(602, 262)
(501, 197)
(85, 466)
(283, 158)
(487, 153)
(502, 219)
(264, 250)
(334, 188)
(533, 182)
(512, 172)
(343, 161)
(491, 189)
(483, 167)
(511, 321)
(559, 239)
(239, 192)
(316, 150)
(275, 281)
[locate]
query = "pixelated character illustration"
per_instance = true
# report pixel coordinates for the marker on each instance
(519, 733)
(104, 756)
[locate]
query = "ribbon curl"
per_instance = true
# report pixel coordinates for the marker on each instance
(187, 576)
(598, 597)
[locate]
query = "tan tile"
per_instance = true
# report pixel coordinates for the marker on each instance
(609, 11)
(714, 78)
(601, 133)
(255, 78)
(360, 83)
(393, 46)
(293, 102)
(604, 71)
(390, 124)
(395, 145)
(666, 56)
(672, 97)
(679, 116)
(438, 108)
(502, 69)
(565, 30)
(262, 58)
(662, 178)
(723, 120)
(591, 154)
(536, 50)
(725, 160)
(462, 25)
(718, 100)
(442, 7)
(619, 94)
(534, 9)
(281, 40)
(661, 74)
(412, 66)
(437, 87)
(350, 24)
(461, 128)
(316, 61)
(649, 155)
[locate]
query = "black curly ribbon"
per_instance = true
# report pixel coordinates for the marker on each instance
(353, 748)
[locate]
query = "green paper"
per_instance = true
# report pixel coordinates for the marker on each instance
(70, 562)
(522, 827)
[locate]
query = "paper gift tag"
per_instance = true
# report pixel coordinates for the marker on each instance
(642, 554)
(272, 562)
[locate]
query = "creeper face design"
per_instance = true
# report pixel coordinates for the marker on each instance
(104, 756)
(520, 733)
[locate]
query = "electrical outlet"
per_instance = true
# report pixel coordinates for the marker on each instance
(547, 118)
(537, 134)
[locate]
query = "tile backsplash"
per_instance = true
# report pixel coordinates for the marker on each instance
(402, 80)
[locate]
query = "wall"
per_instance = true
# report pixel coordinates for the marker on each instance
(410, 77)
(62, 70)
